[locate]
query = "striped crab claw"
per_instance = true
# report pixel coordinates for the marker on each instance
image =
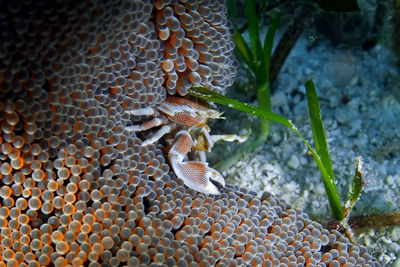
(195, 174)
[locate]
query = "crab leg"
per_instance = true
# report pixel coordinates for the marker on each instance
(204, 142)
(148, 111)
(149, 125)
(198, 155)
(157, 136)
(145, 126)
(228, 138)
(194, 174)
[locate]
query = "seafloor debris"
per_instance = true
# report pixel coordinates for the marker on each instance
(76, 188)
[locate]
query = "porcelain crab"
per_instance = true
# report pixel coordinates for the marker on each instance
(185, 119)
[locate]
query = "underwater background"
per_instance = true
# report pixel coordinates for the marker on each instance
(82, 185)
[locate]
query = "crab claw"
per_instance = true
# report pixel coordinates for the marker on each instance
(194, 174)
